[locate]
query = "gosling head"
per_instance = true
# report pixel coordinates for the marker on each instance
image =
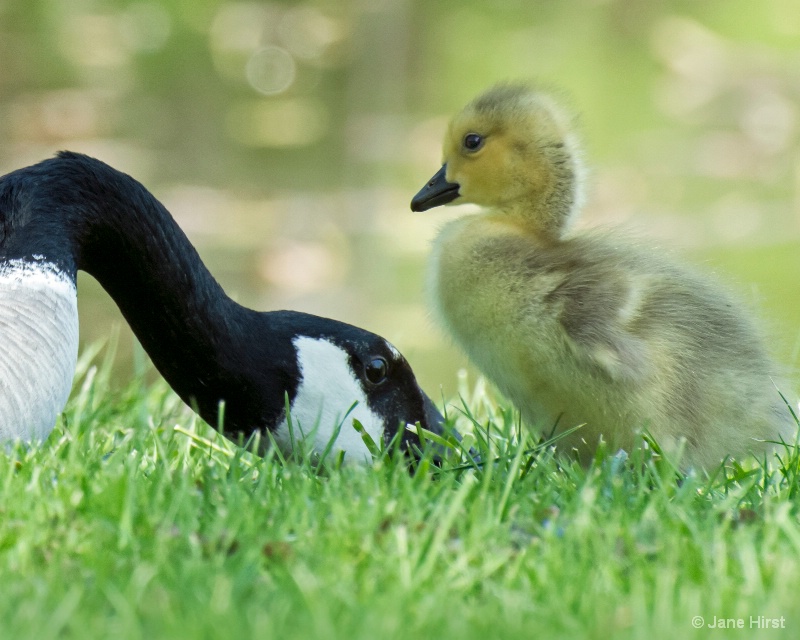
(511, 150)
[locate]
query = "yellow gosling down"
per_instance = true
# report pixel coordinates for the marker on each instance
(586, 328)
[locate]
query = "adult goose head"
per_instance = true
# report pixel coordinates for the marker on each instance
(73, 212)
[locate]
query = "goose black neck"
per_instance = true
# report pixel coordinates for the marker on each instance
(81, 214)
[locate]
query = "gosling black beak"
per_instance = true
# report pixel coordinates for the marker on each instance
(437, 192)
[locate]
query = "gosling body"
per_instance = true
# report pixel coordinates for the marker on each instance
(586, 328)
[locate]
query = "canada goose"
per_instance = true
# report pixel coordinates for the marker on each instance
(74, 212)
(585, 327)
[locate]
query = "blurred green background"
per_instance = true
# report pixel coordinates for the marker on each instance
(287, 138)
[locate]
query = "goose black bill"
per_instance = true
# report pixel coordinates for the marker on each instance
(437, 192)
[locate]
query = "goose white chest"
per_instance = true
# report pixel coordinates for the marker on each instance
(38, 346)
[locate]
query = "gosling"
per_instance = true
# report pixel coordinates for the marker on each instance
(586, 328)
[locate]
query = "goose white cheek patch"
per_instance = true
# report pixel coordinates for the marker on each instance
(326, 393)
(38, 347)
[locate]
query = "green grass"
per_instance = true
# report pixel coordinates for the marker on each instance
(133, 521)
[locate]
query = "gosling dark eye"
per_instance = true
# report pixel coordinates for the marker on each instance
(376, 370)
(473, 141)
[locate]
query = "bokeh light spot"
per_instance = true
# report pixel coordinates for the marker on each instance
(271, 70)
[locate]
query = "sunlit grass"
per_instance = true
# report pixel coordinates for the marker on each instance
(134, 520)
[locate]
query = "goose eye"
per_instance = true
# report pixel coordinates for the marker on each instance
(376, 370)
(473, 141)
